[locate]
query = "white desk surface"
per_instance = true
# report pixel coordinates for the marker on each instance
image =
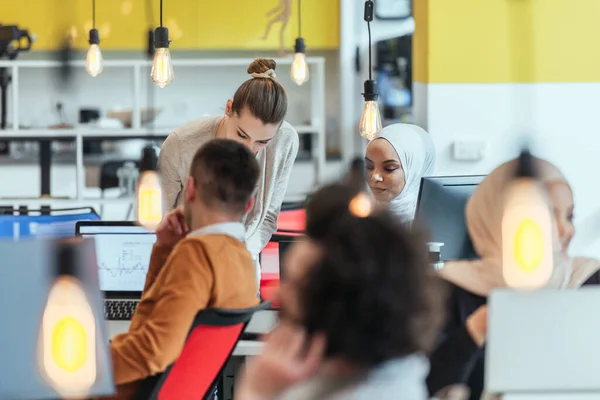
(262, 322)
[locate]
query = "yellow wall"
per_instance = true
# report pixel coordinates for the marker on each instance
(464, 41)
(193, 24)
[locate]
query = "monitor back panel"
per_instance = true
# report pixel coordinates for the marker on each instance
(441, 210)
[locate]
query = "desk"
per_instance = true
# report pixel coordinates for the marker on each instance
(262, 322)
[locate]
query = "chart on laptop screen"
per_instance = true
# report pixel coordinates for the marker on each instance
(123, 261)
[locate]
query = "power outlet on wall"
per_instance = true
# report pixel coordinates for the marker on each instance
(468, 150)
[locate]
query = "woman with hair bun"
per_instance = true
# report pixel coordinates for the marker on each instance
(254, 117)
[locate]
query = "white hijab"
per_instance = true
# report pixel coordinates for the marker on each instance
(417, 156)
(483, 216)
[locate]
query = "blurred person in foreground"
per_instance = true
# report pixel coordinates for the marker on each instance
(463, 340)
(199, 261)
(359, 309)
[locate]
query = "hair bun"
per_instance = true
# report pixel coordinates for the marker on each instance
(261, 65)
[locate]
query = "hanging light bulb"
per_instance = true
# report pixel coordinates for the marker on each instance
(162, 67)
(299, 70)
(527, 251)
(149, 201)
(370, 121)
(93, 60)
(361, 205)
(68, 334)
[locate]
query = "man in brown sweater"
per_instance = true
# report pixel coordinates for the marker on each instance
(199, 261)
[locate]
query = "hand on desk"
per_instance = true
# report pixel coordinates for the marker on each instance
(288, 358)
(477, 325)
(172, 229)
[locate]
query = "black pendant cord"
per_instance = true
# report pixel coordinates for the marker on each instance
(299, 18)
(94, 14)
(161, 24)
(370, 65)
(149, 53)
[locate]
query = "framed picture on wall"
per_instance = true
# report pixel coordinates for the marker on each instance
(393, 9)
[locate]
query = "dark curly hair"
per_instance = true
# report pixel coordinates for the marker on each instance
(372, 293)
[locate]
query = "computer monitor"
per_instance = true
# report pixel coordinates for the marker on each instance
(441, 210)
(123, 252)
(271, 258)
(24, 223)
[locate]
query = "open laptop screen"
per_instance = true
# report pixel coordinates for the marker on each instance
(122, 254)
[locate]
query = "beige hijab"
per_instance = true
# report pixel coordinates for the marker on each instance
(483, 216)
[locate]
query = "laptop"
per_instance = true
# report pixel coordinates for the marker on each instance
(543, 343)
(123, 252)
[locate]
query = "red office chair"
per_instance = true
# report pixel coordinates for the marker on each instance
(210, 343)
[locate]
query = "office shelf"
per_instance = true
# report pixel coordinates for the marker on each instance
(27, 134)
(315, 127)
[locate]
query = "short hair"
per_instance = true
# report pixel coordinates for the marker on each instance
(372, 292)
(265, 98)
(226, 173)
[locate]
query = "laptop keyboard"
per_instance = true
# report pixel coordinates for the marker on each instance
(119, 310)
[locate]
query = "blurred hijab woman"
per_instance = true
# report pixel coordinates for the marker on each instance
(472, 281)
(561, 197)
(395, 163)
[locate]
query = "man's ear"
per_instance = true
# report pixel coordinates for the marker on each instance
(249, 205)
(190, 190)
(229, 108)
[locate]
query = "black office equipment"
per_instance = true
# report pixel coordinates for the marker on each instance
(441, 210)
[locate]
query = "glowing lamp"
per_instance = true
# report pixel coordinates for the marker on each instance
(162, 73)
(299, 70)
(149, 198)
(68, 334)
(527, 251)
(370, 121)
(93, 60)
(361, 205)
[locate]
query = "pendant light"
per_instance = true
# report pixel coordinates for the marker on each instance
(93, 60)
(162, 66)
(68, 334)
(370, 122)
(527, 247)
(149, 199)
(299, 70)
(361, 205)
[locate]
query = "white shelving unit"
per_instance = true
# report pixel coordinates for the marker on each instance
(316, 126)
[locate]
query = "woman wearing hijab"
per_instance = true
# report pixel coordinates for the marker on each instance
(395, 163)
(561, 197)
(472, 281)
